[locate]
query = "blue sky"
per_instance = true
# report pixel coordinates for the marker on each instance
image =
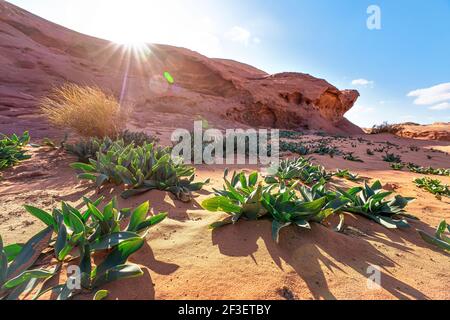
(402, 70)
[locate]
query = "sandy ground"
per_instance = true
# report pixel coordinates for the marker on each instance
(184, 259)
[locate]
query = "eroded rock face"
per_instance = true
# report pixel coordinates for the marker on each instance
(437, 131)
(36, 55)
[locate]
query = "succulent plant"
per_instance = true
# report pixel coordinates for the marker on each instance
(12, 149)
(433, 186)
(439, 239)
(370, 202)
(83, 233)
(141, 169)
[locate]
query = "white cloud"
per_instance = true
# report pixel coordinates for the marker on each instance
(239, 34)
(363, 82)
(433, 95)
(441, 106)
(256, 40)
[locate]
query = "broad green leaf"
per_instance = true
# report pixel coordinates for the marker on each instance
(120, 254)
(154, 220)
(118, 273)
(95, 212)
(101, 295)
(138, 216)
(30, 252)
(27, 275)
(220, 203)
(434, 241)
(43, 216)
(110, 241)
(12, 251)
(83, 167)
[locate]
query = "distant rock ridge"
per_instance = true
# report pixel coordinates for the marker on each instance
(36, 55)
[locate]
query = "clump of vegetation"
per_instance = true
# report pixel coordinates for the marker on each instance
(285, 208)
(245, 198)
(428, 170)
(295, 147)
(433, 186)
(414, 148)
(346, 174)
(91, 235)
(324, 149)
(439, 239)
(284, 134)
(12, 149)
(139, 138)
(141, 169)
(297, 169)
(88, 111)
(240, 198)
(351, 157)
(397, 166)
(392, 158)
(370, 202)
(380, 149)
(370, 152)
(86, 149)
(385, 127)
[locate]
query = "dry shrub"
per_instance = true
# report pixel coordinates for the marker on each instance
(88, 111)
(385, 127)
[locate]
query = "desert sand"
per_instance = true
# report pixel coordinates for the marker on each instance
(184, 259)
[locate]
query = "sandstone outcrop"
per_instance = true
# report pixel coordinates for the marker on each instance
(36, 55)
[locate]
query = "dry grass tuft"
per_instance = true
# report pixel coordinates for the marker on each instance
(88, 111)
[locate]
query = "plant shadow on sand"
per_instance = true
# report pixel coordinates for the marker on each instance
(306, 252)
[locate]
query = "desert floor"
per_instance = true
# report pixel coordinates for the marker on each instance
(184, 259)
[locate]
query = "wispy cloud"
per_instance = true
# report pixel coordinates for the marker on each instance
(441, 106)
(437, 97)
(241, 35)
(363, 83)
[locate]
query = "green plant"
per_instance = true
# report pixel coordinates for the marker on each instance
(393, 158)
(351, 157)
(141, 169)
(397, 166)
(370, 202)
(323, 149)
(433, 186)
(290, 134)
(85, 234)
(87, 149)
(245, 198)
(346, 174)
(294, 147)
(12, 149)
(298, 169)
(429, 170)
(139, 138)
(439, 239)
(285, 209)
(380, 149)
(240, 198)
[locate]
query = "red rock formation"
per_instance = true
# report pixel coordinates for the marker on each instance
(436, 131)
(36, 55)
